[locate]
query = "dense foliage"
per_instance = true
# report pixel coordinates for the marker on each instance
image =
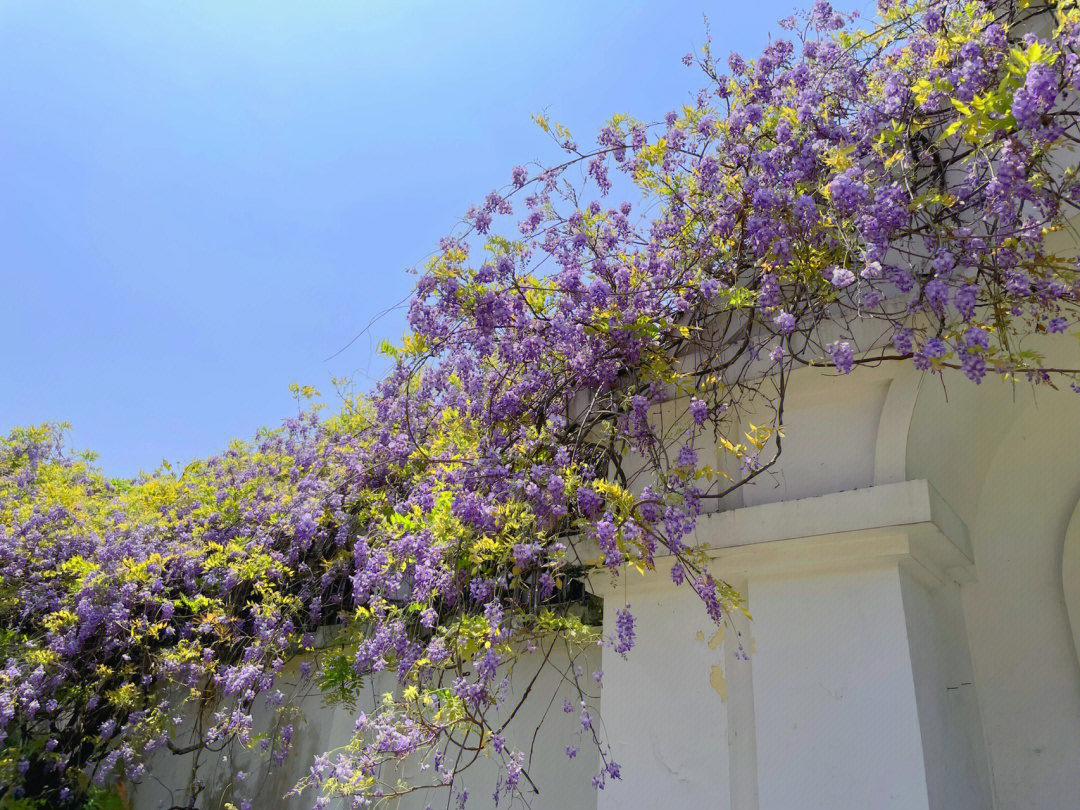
(857, 193)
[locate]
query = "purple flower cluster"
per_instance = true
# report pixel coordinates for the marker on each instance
(624, 630)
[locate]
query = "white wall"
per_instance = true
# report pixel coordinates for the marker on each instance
(563, 784)
(837, 722)
(909, 679)
(954, 752)
(1026, 671)
(664, 706)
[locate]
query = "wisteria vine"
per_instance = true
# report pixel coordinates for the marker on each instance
(861, 192)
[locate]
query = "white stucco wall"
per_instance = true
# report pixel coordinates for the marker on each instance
(950, 727)
(664, 706)
(831, 664)
(563, 784)
(1026, 671)
(940, 676)
(910, 648)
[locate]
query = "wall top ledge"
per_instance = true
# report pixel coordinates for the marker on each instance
(907, 522)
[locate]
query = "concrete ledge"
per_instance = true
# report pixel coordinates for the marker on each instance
(901, 505)
(907, 522)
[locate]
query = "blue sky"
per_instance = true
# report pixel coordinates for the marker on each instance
(202, 202)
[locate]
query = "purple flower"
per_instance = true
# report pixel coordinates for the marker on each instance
(785, 322)
(974, 366)
(847, 192)
(769, 293)
(1036, 97)
(842, 356)
(699, 411)
(678, 573)
(841, 277)
(937, 294)
(965, 299)
(624, 629)
(975, 338)
(589, 502)
(1018, 283)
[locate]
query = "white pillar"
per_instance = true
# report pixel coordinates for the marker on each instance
(858, 693)
(837, 719)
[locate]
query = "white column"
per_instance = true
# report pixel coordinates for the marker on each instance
(858, 693)
(835, 706)
(862, 686)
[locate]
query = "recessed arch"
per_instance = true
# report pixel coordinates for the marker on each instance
(1070, 576)
(890, 453)
(1026, 672)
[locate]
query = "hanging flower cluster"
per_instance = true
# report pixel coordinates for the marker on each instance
(857, 193)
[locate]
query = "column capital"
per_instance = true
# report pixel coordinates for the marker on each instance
(907, 523)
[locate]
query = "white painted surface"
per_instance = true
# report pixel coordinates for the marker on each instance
(664, 707)
(911, 640)
(829, 712)
(954, 754)
(890, 451)
(1070, 575)
(1026, 671)
(823, 411)
(563, 784)
(906, 507)
(837, 721)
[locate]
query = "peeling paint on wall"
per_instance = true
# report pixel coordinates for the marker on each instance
(718, 682)
(717, 638)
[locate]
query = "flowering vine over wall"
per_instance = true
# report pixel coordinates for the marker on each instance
(859, 193)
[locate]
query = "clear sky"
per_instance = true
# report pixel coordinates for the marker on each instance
(202, 202)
